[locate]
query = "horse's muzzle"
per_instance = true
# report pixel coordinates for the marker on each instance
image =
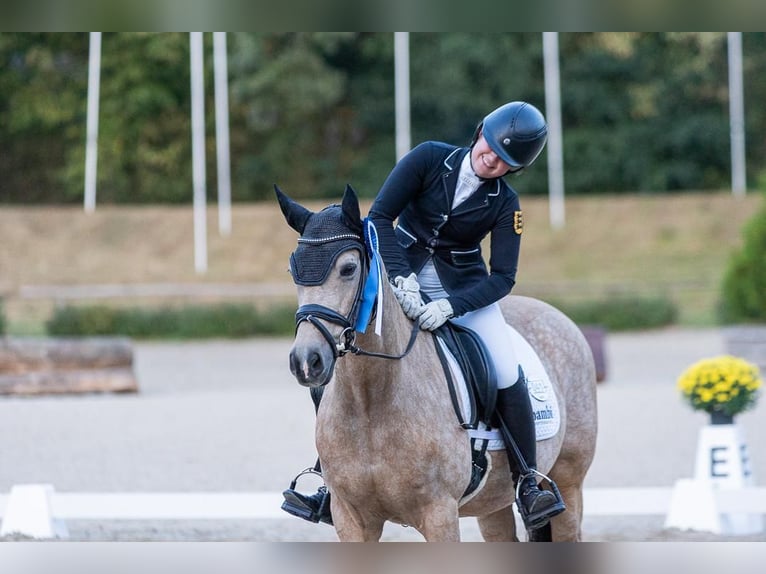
(310, 366)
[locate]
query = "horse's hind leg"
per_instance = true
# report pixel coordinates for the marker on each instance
(567, 526)
(543, 534)
(500, 526)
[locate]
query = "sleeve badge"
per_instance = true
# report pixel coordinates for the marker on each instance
(518, 222)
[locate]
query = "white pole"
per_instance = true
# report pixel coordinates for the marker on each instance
(402, 92)
(198, 151)
(736, 115)
(222, 132)
(91, 145)
(553, 112)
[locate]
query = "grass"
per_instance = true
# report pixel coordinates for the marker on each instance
(671, 245)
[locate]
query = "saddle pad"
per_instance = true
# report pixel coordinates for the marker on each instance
(545, 405)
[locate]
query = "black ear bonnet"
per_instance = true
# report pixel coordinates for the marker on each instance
(325, 236)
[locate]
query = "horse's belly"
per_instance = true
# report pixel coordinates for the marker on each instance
(396, 477)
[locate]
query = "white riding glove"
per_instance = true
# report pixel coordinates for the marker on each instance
(435, 314)
(407, 292)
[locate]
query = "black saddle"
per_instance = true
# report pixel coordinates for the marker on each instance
(478, 369)
(481, 382)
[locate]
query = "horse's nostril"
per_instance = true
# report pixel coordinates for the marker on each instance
(315, 364)
(294, 364)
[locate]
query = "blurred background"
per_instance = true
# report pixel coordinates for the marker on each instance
(652, 226)
(657, 252)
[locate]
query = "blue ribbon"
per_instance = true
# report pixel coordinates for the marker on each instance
(372, 286)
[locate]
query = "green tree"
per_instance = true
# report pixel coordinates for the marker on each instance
(754, 71)
(744, 283)
(144, 145)
(644, 112)
(459, 78)
(42, 77)
(144, 141)
(286, 91)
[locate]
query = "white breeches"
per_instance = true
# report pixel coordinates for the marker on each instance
(488, 322)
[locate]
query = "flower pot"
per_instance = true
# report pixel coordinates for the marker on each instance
(719, 418)
(722, 463)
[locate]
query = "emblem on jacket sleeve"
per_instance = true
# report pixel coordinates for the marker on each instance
(518, 222)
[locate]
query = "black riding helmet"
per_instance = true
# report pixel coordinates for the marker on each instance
(516, 132)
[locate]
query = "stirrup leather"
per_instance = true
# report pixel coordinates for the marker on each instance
(535, 520)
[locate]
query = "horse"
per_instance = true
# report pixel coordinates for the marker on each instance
(388, 439)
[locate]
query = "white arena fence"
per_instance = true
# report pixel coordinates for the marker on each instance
(40, 512)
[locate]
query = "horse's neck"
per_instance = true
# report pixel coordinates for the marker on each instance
(396, 330)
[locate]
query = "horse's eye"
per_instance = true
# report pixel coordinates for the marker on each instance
(348, 270)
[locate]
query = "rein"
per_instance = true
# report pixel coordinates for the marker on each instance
(346, 342)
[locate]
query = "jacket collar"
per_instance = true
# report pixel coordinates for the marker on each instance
(452, 161)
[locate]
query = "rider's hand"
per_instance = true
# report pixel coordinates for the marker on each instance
(407, 292)
(435, 314)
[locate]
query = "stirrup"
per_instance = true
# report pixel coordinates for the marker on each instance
(309, 470)
(535, 520)
(296, 503)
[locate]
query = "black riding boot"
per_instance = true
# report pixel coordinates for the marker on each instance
(312, 507)
(536, 506)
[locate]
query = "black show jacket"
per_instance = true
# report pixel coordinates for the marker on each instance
(419, 192)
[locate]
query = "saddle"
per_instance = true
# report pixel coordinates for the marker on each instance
(480, 377)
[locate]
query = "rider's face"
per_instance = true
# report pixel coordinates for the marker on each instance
(486, 164)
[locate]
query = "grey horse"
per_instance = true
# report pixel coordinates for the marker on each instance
(387, 435)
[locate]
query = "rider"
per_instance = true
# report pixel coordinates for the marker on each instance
(447, 200)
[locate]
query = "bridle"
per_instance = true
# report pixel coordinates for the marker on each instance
(318, 315)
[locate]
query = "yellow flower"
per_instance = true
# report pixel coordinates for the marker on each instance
(726, 384)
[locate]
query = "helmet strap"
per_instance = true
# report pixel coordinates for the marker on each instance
(476, 133)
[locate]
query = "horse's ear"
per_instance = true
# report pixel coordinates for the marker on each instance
(296, 215)
(350, 207)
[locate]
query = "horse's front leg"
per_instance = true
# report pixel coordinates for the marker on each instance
(351, 526)
(441, 522)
